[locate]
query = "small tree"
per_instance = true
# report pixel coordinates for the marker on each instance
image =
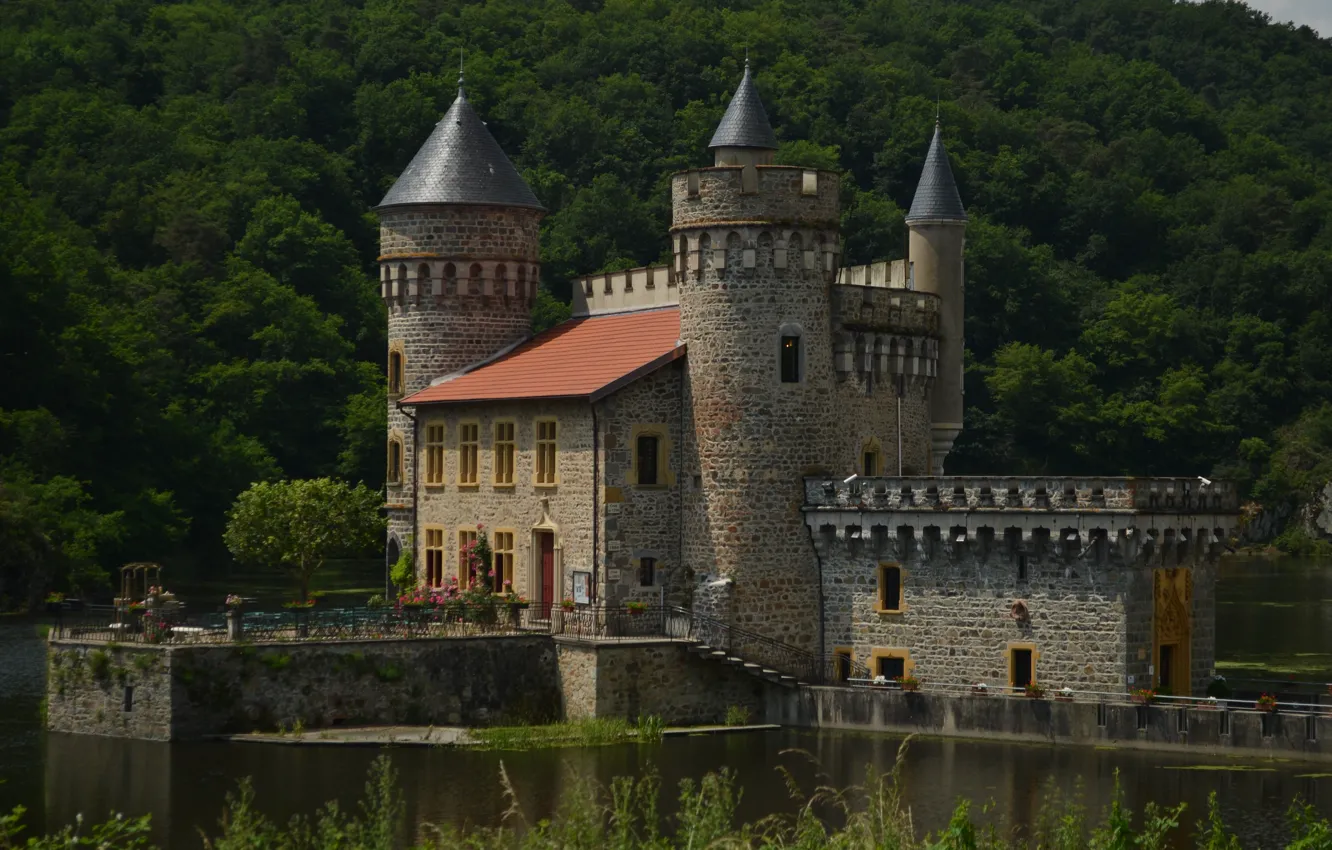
(298, 525)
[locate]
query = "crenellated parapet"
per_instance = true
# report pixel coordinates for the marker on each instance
(630, 289)
(1167, 521)
(755, 194)
(438, 281)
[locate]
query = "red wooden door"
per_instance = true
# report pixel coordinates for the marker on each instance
(548, 569)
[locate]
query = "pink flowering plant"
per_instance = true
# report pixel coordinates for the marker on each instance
(233, 601)
(479, 595)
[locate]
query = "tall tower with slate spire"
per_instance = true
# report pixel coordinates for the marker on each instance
(459, 246)
(755, 253)
(937, 236)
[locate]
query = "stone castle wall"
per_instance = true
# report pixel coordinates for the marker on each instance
(754, 264)
(460, 232)
(639, 520)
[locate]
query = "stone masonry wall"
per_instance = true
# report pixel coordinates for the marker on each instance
(662, 678)
(119, 691)
(186, 692)
(643, 520)
(566, 507)
(956, 621)
(467, 233)
(749, 436)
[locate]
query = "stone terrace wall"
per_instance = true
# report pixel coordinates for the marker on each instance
(186, 692)
(658, 677)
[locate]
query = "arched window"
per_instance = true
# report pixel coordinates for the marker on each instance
(474, 276)
(394, 459)
(791, 354)
(704, 253)
(397, 370)
(400, 285)
(450, 279)
(502, 278)
(393, 552)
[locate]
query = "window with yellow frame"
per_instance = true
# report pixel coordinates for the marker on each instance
(891, 663)
(395, 453)
(434, 555)
(891, 592)
(397, 370)
(469, 453)
(503, 560)
(466, 541)
(547, 458)
(505, 452)
(434, 446)
(1022, 658)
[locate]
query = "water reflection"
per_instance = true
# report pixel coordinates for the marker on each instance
(183, 786)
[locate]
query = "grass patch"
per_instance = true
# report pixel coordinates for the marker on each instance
(595, 732)
(1236, 768)
(1314, 776)
(275, 661)
(737, 715)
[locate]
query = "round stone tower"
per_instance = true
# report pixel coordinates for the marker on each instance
(755, 250)
(936, 242)
(459, 245)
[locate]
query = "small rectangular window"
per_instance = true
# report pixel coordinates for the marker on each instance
(890, 588)
(467, 562)
(504, 453)
(890, 667)
(647, 572)
(546, 457)
(503, 561)
(790, 360)
(469, 452)
(647, 460)
(1021, 668)
(434, 455)
(1022, 567)
(809, 183)
(395, 373)
(434, 556)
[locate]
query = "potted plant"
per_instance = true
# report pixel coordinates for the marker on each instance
(635, 607)
(1064, 694)
(1142, 696)
(1267, 703)
(1034, 691)
(567, 603)
(54, 602)
(980, 688)
(908, 683)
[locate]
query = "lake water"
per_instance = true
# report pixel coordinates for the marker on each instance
(1268, 609)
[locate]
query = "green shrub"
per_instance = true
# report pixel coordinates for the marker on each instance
(275, 661)
(99, 662)
(737, 715)
(388, 673)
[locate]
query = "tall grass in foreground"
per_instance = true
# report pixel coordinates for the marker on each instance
(625, 816)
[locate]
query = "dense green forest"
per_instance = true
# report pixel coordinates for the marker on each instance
(187, 296)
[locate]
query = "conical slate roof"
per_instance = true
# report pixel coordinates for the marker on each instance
(461, 163)
(745, 124)
(936, 194)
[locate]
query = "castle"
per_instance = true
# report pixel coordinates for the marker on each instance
(760, 434)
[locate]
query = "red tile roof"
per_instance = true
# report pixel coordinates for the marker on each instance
(585, 357)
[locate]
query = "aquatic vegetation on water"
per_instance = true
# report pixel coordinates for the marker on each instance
(625, 816)
(593, 732)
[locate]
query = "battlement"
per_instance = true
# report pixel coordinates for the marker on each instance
(889, 274)
(755, 194)
(1021, 494)
(631, 289)
(882, 310)
(400, 281)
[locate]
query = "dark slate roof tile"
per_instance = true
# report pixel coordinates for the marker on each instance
(461, 163)
(936, 195)
(745, 124)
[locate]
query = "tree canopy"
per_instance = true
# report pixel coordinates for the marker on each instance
(187, 296)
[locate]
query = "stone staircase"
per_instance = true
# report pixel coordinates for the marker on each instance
(721, 656)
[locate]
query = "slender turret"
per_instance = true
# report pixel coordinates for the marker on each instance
(937, 226)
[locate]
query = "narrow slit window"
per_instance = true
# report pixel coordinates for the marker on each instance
(395, 372)
(469, 452)
(395, 460)
(790, 359)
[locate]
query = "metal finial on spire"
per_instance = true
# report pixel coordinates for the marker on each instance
(461, 51)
